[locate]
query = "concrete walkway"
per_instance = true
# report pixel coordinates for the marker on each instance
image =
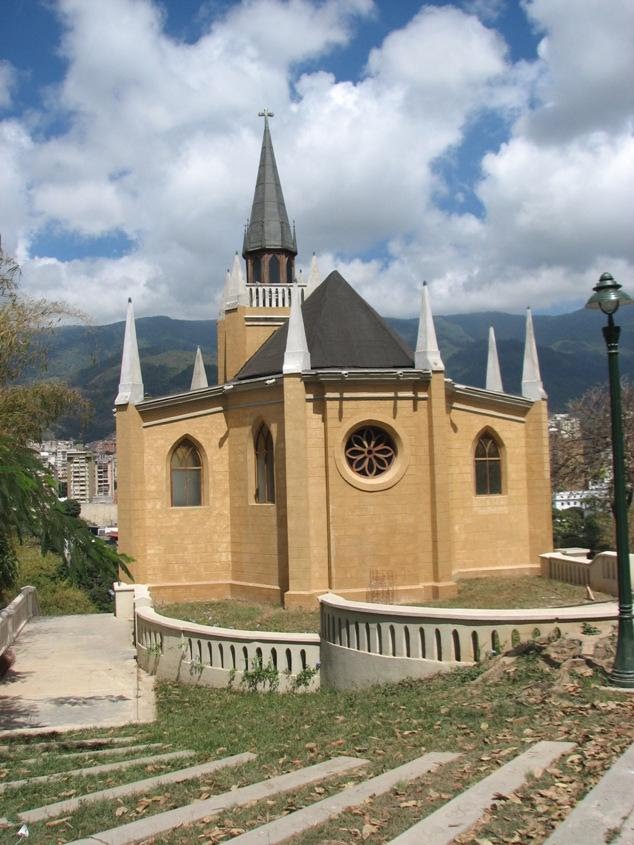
(74, 672)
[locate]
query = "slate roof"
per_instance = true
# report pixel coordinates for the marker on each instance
(268, 226)
(342, 332)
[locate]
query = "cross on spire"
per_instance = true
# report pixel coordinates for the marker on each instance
(265, 113)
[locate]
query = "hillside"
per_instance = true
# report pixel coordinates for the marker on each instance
(571, 350)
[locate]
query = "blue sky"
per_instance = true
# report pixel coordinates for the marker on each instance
(485, 146)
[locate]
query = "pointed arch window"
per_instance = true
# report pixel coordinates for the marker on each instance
(257, 270)
(488, 466)
(274, 270)
(186, 475)
(264, 466)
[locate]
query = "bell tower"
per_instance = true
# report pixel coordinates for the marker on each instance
(254, 308)
(269, 247)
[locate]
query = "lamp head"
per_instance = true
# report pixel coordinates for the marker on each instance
(608, 295)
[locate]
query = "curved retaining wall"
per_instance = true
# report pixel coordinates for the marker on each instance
(218, 657)
(361, 644)
(365, 644)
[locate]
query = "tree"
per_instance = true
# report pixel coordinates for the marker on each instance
(29, 506)
(28, 409)
(581, 447)
(581, 455)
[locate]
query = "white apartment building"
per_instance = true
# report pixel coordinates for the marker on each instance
(80, 475)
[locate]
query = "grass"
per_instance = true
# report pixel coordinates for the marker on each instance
(477, 593)
(231, 613)
(485, 722)
(521, 592)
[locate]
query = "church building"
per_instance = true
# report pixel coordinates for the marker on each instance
(330, 456)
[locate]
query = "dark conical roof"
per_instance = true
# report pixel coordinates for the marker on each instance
(342, 332)
(268, 227)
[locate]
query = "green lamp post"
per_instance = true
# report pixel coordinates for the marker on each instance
(608, 296)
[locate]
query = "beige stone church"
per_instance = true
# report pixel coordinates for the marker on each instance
(330, 457)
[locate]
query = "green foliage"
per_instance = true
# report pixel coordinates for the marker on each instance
(260, 677)
(8, 567)
(590, 630)
(56, 595)
(303, 679)
(71, 507)
(29, 508)
(568, 528)
(28, 492)
(574, 528)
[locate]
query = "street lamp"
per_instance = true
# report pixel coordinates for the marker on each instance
(608, 296)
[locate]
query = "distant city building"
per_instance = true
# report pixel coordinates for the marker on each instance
(583, 499)
(80, 475)
(86, 473)
(55, 453)
(564, 424)
(105, 477)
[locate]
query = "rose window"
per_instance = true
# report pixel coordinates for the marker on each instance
(370, 451)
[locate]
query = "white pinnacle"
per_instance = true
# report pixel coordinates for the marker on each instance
(314, 278)
(427, 356)
(199, 376)
(235, 285)
(225, 294)
(296, 354)
(131, 381)
(532, 387)
(494, 376)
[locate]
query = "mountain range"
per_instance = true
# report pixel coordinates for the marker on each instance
(571, 351)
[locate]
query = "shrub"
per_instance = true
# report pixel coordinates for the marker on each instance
(55, 594)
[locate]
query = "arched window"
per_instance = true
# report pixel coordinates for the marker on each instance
(257, 269)
(274, 270)
(488, 466)
(264, 466)
(186, 475)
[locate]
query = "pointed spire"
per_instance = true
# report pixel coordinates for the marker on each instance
(268, 227)
(225, 294)
(532, 387)
(427, 356)
(494, 376)
(237, 286)
(131, 382)
(199, 376)
(314, 278)
(234, 285)
(296, 354)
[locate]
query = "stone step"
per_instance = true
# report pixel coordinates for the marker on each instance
(96, 770)
(606, 814)
(322, 811)
(160, 823)
(462, 812)
(103, 752)
(97, 742)
(49, 811)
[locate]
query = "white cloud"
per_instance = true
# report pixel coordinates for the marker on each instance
(587, 67)
(7, 83)
(162, 144)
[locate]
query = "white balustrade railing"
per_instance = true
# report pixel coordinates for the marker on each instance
(272, 296)
(363, 642)
(15, 616)
(599, 574)
(220, 657)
